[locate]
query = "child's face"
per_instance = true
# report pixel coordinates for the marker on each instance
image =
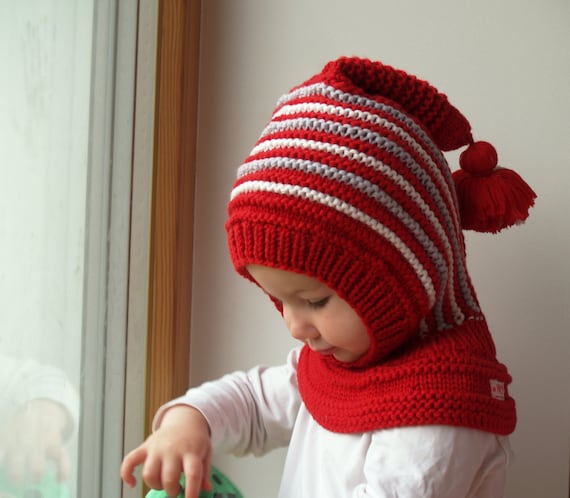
(315, 314)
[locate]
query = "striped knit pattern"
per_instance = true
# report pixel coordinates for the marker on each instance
(348, 184)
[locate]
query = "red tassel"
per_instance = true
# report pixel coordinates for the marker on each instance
(490, 198)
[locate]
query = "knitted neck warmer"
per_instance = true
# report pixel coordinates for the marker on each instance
(348, 184)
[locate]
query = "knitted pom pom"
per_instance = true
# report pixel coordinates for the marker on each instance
(480, 158)
(490, 198)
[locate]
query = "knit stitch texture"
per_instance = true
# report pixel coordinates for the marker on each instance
(348, 184)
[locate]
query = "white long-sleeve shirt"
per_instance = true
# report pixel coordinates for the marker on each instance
(257, 411)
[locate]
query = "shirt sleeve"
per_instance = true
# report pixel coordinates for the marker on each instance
(248, 412)
(435, 462)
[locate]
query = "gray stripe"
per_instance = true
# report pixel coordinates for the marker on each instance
(374, 192)
(454, 226)
(359, 100)
(368, 118)
(451, 246)
(380, 141)
(347, 209)
(450, 219)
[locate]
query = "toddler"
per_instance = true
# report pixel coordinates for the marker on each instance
(348, 217)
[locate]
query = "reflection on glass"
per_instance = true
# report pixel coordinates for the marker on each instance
(45, 48)
(38, 414)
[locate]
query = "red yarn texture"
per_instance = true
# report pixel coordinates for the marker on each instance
(348, 184)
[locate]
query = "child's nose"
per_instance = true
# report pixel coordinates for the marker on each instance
(300, 327)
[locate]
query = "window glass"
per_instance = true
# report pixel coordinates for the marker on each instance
(45, 48)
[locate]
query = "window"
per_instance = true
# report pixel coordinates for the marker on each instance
(44, 129)
(64, 228)
(97, 116)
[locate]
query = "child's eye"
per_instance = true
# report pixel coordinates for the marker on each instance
(321, 303)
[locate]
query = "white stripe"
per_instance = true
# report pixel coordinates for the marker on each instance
(458, 271)
(350, 99)
(353, 99)
(456, 268)
(453, 255)
(332, 127)
(367, 117)
(348, 210)
(442, 174)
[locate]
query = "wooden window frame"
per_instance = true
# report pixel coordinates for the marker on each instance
(172, 205)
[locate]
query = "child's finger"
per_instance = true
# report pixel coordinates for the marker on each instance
(152, 475)
(134, 458)
(206, 482)
(170, 477)
(194, 477)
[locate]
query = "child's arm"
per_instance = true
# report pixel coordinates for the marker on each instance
(180, 444)
(243, 412)
(249, 412)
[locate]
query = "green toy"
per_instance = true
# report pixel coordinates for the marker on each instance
(222, 487)
(48, 487)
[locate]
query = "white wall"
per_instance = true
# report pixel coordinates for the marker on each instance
(506, 66)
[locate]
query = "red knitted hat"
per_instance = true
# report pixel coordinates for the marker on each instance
(348, 184)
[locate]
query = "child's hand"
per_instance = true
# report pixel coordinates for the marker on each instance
(180, 444)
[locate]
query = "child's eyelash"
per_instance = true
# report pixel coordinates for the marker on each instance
(318, 304)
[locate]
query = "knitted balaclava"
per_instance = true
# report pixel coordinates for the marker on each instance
(348, 184)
